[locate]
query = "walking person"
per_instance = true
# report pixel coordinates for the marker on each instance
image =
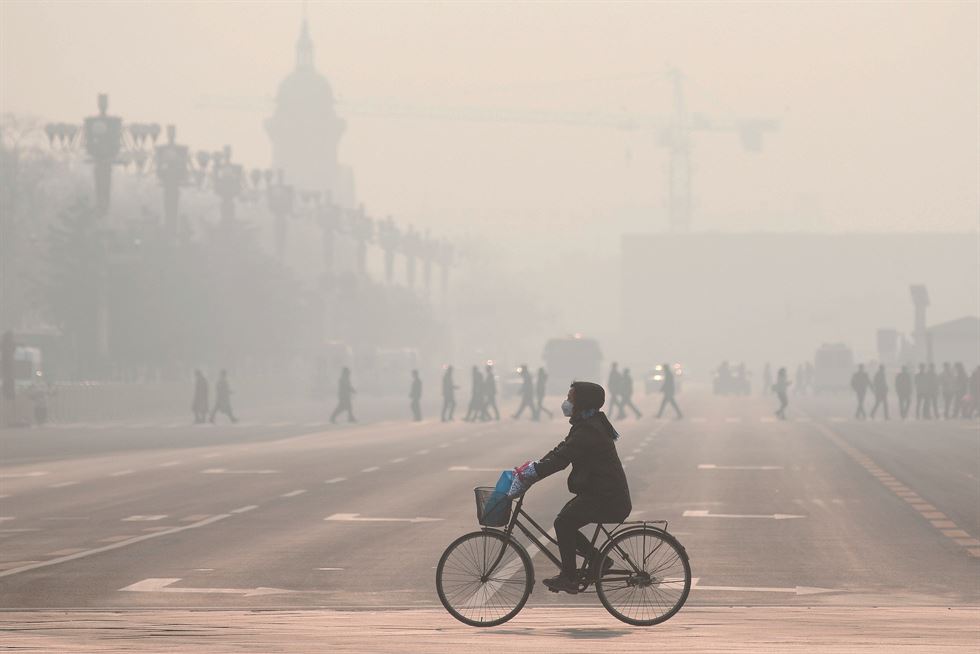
(345, 395)
(527, 394)
(921, 393)
(540, 390)
(932, 384)
(475, 409)
(879, 386)
(780, 388)
(614, 385)
(201, 401)
(947, 387)
(903, 388)
(669, 389)
(626, 399)
(448, 395)
(415, 395)
(222, 398)
(860, 382)
(960, 389)
(490, 395)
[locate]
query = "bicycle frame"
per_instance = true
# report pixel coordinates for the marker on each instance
(519, 511)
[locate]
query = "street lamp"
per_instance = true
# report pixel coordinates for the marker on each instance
(280, 198)
(173, 170)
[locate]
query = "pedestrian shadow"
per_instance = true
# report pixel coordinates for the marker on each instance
(570, 632)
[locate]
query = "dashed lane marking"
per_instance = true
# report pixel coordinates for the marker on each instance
(245, 509)
(121, 473)
(5, 518)
(421, 452)
(356, 517)
(294, 493)
(730, 420)
(169, 464)
(111, 546)
(20, 475)
(469, 469)
(335, 480)
(398, 460)
(629, 458)
(195, 517)
(113, 539)
(371, 469)
(936, 518)
(772, 516)
(66, 551)
(328, 569)
(224, 471)
(713, 466)
(145, 518)
(63, 484)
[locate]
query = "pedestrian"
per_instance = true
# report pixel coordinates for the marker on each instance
(626, 399)
(527, 394)
(597, 480)
(921, 393)
(614, 385)
(490, 395)
(475, 409)
(780, 388)
(947, 386)
(903, 388)
(201, 402)
(415, 395)
(960, 390)
(541, 389)
(932, 383)
(669, 389)
(448, 395)
(879, 386)
(345, 396)
(222, 398)
(860, 382)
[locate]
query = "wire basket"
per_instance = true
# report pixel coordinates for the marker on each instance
(492, 507)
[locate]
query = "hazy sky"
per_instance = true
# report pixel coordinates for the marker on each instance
(878, 103)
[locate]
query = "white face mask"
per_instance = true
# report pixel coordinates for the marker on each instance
(566, 408)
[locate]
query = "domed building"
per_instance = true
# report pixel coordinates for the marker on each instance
(305, 130)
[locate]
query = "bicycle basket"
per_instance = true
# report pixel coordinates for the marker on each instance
(492, 507)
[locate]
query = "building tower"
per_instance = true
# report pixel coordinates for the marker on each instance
(305, 129)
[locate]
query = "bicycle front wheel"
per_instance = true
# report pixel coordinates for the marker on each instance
(649, 579)
(484, 578)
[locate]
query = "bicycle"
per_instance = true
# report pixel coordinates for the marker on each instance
(642, 574)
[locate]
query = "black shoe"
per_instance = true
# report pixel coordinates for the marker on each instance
(561, 583)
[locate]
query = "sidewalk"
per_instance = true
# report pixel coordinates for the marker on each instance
(844, 630)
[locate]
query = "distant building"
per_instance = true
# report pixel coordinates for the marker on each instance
(701, 298)
(956, 340)
(305, 129)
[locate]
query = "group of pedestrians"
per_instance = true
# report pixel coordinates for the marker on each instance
(958, 392)
(201, 401)
(620, 393)
(532, 393)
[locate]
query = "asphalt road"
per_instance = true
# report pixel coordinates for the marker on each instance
(817, 510)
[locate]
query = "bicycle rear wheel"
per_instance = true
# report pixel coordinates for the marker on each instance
(649, 580)
(484, 578)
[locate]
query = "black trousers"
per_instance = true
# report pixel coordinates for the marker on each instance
(582, 510)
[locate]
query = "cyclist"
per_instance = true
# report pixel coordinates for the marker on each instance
(597, 479)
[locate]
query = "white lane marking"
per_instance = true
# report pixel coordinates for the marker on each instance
(211, 455)
(335, 480)
(155, 585)
(225, 471)
(111, 539)
(203, 569)
(144, 518)
(3, 497)
(169, 464)
(5, 518)
(293, 493)
(244, 509)
(17, 531)
(121, 473)
(444, 445)
(796, 590)
(80, 517)
(195, 517)
(355, 517)
(67, 550)
(113, 546)
(398, 460)
(706, 514)
(371, 469)
(329, 569)
(422, 452)
(63, 484)
(629, 458)
(712, 466)
(18, 475)
(469, 469)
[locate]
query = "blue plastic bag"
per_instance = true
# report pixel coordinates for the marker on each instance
(496, 510)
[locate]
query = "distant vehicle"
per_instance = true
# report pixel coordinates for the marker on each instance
(511, 385)
(654, 380)
(833, 366)
(729, 381)
(571, 358)
(28, 368)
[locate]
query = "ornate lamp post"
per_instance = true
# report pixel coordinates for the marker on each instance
(228, 180)
(362, 231)
(173, 170)
(280, 198)
(389, 238)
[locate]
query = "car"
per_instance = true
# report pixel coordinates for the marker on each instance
(653, 381)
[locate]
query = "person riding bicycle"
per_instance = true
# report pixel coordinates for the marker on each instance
(597, 479)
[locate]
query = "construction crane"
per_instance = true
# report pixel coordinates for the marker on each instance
(675, 132)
